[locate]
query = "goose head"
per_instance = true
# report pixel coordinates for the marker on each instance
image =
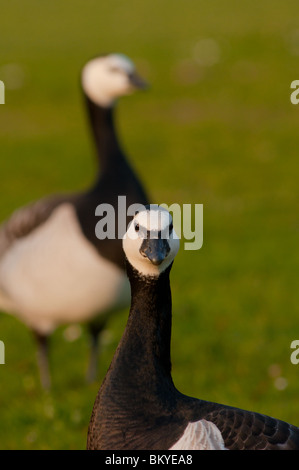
(107, 78)
(150, 243)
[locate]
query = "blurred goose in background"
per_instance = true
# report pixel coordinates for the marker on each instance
(53, 268)
(138, 406)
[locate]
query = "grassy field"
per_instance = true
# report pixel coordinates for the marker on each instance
(217, 128)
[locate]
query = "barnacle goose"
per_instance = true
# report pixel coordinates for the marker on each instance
(138, 406)
(53, 268)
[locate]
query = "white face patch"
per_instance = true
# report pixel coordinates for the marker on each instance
(122, 62)
(153, 224)
(104, 79)
(154, 220)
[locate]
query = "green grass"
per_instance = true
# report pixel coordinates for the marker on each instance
(224, 135)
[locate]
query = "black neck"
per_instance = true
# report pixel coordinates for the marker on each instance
(141, 367)
(109, 151)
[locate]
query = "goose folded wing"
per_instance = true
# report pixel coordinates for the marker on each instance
(26, 219)
(248, 430)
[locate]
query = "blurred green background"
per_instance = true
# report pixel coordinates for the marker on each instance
(217, 127)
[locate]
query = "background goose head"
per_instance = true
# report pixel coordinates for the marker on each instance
(150, 243)
(107, 78)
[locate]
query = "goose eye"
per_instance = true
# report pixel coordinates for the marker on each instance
(114, 69)
(136, 227)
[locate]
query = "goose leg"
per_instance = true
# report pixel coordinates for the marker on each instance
(94, 331)
(43, 359)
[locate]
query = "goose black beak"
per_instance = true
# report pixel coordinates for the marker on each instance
(155, 249)
(137, 81)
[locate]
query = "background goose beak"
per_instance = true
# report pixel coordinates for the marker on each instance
(138, 82)
(155, 250)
